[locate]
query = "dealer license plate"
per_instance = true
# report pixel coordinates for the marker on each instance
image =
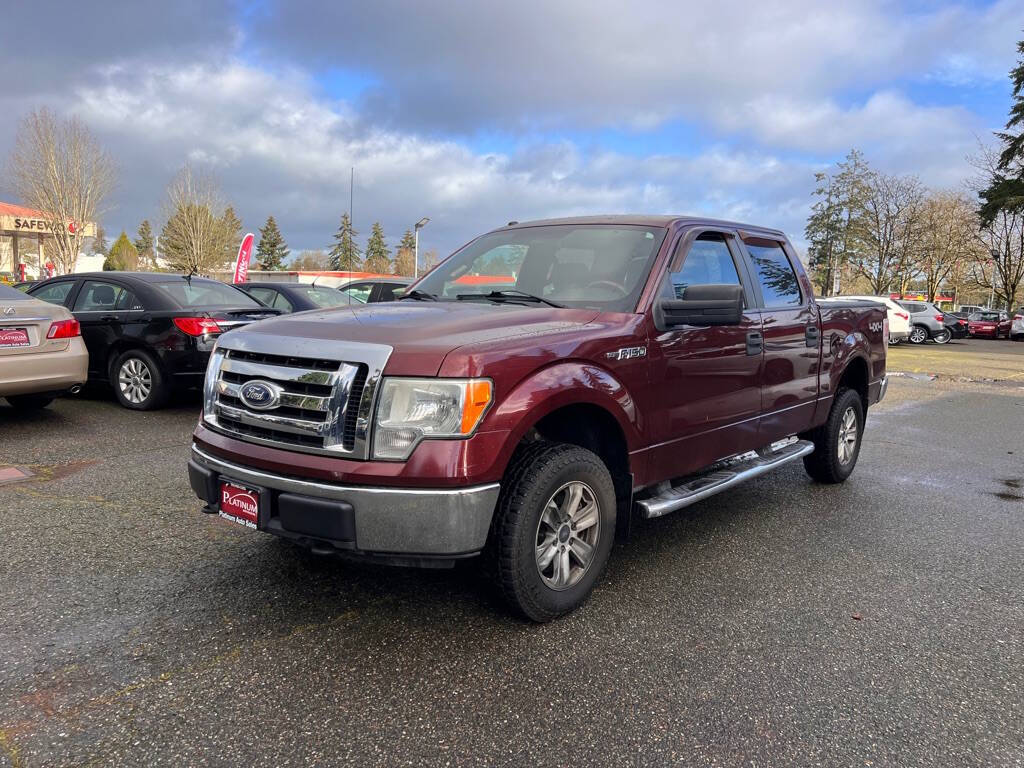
(14, 337)
(239, 504)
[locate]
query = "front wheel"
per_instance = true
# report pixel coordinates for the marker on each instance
(918, 334)
(837, 441)
(942, 336)
(553, 529)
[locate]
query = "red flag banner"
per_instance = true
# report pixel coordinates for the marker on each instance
(244, 254)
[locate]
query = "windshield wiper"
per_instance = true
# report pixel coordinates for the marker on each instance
(418, 295)
(509, 294)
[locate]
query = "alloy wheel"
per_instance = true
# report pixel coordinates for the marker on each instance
(848, 435)
(918, 335)
(135, 380)
(567, 535)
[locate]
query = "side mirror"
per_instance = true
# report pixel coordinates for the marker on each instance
(701, 305)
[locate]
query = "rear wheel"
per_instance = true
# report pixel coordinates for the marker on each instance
(553, 530)
(138, 382)
(837, 441)
(942, 336)
(30, 402)
(918, 334)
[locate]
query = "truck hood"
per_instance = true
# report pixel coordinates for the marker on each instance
(421, 333)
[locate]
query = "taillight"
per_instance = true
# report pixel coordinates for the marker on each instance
(903, 315)
(938, 318)
(196, 326)
(1018, 317)
(64, 329)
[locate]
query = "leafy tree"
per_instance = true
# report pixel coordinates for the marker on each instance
(232, 234)
(344, 254)
(99, 243)
(310, 261)
(191, 241)
(378, 255)
(271, 251)
(123, 255)
(144, 246)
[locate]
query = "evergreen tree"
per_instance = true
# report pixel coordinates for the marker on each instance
(1013, 144)
(378, 255)
(144, 246)
(232, 227)
(405, 256)
(123, 255)
(344, 254)
(272, 251)
(99, 243)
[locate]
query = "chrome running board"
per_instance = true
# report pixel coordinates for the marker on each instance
(724, 475)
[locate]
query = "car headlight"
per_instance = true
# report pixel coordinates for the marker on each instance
(411, 410)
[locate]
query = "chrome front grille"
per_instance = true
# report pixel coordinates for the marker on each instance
(320, 404)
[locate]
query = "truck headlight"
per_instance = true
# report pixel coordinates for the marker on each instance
(410, 410)
(210, 385)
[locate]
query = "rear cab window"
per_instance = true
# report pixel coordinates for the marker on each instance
(780, 286)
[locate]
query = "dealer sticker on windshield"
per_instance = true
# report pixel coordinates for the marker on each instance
(238, 504)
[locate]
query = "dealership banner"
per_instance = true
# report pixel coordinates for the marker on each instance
(244, 254)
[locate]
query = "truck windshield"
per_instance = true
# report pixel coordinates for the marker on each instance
(597, 266)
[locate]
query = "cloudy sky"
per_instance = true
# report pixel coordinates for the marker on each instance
(477, 112)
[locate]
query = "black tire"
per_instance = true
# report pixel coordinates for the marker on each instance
(943, 336)
(34, 402)
(826, 465)
(918, 334)
(150, 378)
(537, 474)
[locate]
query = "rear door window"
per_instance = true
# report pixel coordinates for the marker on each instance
(779, 284)
(359, 293)
(98, 296)
(387, 291)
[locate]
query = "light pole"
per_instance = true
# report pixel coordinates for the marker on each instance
(416, 250)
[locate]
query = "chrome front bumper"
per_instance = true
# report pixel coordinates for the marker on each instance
(432, 522)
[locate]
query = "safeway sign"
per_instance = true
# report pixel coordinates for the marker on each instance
(244, 255)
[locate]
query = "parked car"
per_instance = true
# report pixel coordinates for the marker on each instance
(1017, 325)
(149, 333)
(299, 297)
(41, 350)
(375, 290)
(295, 297)
(899, 318)
(634, 363)
(966, 310)
(926, 322)
(990, 325)
(957, 324)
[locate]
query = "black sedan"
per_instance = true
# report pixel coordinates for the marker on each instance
(149, 333)
(299, 297)
(956, 323)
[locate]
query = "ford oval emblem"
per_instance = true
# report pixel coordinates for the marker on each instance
(260, 395)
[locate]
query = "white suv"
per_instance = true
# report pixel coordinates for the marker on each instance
(899, 318)
(1017, 326)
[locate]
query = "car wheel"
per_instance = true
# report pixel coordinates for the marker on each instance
(837, 441)
(918, 334)
(138, 382)
(30, 402)
(553, 529)
(943, 336)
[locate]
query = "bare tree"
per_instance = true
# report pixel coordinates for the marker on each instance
(890, 225)
(193, 239)
(58, 167)
(949, 239)
(1001, 267)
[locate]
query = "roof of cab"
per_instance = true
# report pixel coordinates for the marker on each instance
(641, 220)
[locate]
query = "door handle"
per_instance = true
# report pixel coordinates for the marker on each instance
(755, 343)
(812, 336)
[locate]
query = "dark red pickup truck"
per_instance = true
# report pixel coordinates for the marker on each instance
(536, 392)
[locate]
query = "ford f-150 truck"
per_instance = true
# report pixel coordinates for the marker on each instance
(533, 395)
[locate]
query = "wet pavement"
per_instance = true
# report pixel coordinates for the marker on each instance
(784, 623)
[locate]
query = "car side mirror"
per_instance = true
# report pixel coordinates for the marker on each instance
(701, 305)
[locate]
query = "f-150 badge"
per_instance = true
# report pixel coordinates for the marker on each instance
(626, 353)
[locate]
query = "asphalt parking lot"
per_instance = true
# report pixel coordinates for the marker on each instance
(785, 623)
